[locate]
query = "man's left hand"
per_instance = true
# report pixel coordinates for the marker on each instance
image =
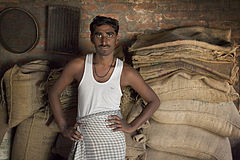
(119, 124)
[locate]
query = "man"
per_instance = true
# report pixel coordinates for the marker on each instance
(98, 133)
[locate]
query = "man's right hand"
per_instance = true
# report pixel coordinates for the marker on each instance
(72, 132)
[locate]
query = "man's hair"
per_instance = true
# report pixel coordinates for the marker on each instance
(101, 20)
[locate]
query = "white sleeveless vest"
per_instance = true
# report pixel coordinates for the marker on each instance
(93, 96)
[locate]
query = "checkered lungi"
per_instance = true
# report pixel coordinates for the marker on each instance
(99, 142)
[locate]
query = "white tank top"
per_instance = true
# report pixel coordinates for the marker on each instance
(93, 96)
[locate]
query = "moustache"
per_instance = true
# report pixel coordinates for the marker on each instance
(104, 45)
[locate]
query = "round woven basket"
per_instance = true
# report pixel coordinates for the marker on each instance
(18, 30)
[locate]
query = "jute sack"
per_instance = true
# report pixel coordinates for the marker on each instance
(186, 49)
(68, 97)
(188, 141)
(220, 118)
(135, 111)
(134, 150)
(5, 146)
(63, 145)
(219, 71)
(24, 95)
(210, 35)
(182, 86)
(152, 154)
(127, 102)
(3, 116)
(33, 139)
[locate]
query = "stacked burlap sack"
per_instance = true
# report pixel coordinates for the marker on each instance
(22, 108)
(192, 70)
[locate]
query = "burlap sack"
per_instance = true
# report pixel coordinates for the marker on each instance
(5, 145)
(220, 118)
(136, 110)
(188, 141)
(152, 154)
(127, 102)
(182, 86)
(68, 97)
(24, 95)
(33, 139)
(134, 150)
(186, 49)
(210, 35)
(219, 71)
(63, 145)
(3, 115)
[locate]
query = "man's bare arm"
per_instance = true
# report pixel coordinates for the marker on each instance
(130, 77)
(70, 72)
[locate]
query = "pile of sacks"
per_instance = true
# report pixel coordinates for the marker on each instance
(192, 70)
(23, 108)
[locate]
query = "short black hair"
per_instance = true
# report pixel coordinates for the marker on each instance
(102, 20)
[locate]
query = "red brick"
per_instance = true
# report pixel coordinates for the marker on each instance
(223, 24)
(167, 25)
(89, 7)
(123, 27)
(106, 0)
(147, 26)
(205, 15)
(145, 7)
(85, 16)
(15, 1)
(180, 6)
(158, 17)
(85, 26)
(2, 7)
(87, 0)
(116, 7)
(141, 18)
(193, 23)
(132, 17)
(41, 43)
(131, 35)
(85, 35)
(172, 16)
(115, 16)
(139, 1)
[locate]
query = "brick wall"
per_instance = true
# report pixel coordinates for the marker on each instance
(135, 16)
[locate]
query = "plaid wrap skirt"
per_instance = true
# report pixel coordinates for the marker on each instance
(99, 142)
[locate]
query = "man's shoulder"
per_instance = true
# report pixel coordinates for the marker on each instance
(78, 61)
(128, 70)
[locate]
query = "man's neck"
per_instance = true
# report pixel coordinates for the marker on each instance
(103, 60)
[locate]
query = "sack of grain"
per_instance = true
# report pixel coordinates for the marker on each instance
(152, 154)
(63, 145)
(5, 145)
(134, 150)
(33, 139)
(24, 95)
(220, 118)
(127, 102)
(68, 97)
(209, 35)
(187, 141)
(220, 71)
(3, 115)
(182, 86)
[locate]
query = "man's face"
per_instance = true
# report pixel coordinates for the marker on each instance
(104, 39)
